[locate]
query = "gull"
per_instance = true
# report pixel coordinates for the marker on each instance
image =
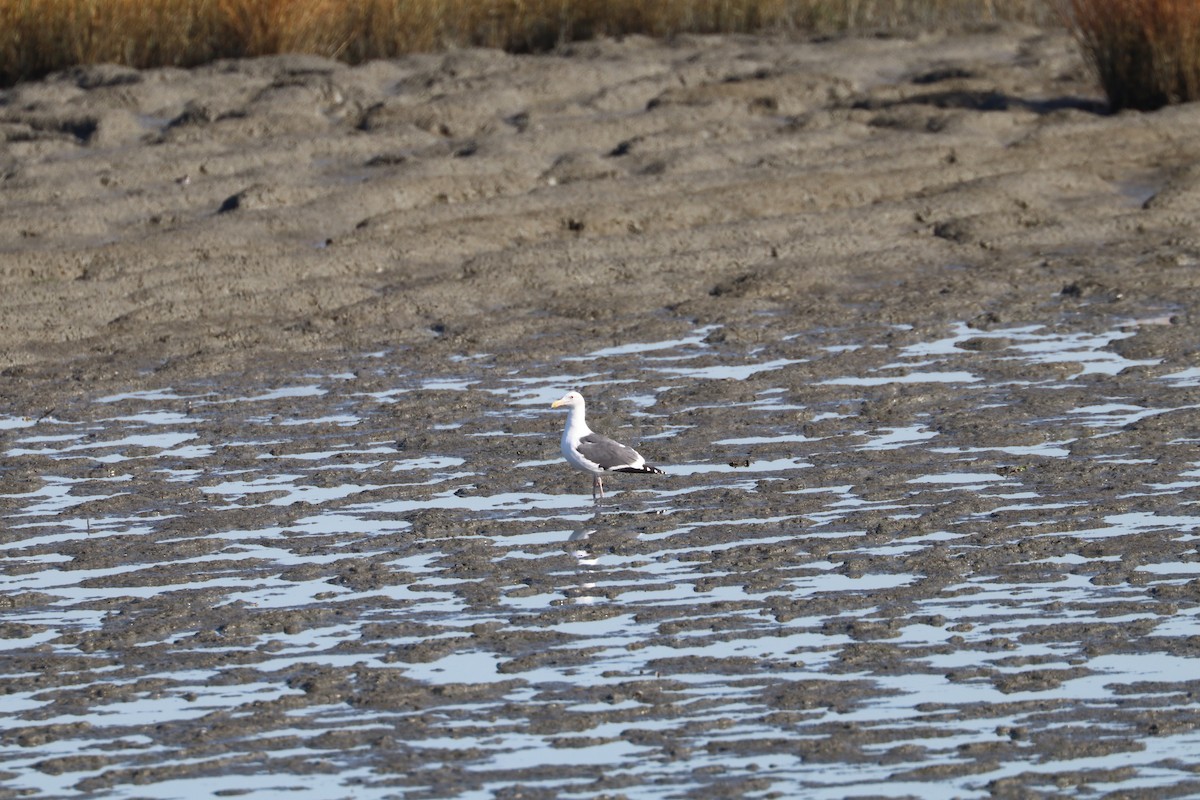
(592, 452)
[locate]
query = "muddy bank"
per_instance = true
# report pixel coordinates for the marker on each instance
(178, 223)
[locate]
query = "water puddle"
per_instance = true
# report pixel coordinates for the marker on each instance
(846, 583)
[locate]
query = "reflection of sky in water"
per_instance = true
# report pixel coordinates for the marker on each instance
(163, 442)
(1033, 344)
(1186, 377)
(690, 344)
(726, 371)
(892, 438)
(906, 377)
(670, 596)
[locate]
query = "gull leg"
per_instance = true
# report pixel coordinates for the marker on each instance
(597, 486)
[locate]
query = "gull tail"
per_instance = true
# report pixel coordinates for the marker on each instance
(645, 468)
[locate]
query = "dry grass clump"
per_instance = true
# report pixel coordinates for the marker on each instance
(38, 36)
(41, 36)
(1146, 53)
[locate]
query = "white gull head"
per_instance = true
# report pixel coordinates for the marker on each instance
(572, 400)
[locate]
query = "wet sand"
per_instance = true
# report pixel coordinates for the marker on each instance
(908, 321)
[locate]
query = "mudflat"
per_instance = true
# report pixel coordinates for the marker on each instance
(908, 322)
(179, 223)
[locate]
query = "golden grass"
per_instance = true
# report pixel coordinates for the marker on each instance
(41, 36)
(1146, 53)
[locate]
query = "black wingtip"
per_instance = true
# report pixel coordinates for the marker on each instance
(645, 469)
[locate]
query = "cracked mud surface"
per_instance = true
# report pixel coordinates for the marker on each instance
(908, 324)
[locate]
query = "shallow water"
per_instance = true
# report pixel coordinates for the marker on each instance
(944, 563)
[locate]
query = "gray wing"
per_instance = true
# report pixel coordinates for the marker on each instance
(605, 452)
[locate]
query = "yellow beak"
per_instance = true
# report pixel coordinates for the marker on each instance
(556, 404)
